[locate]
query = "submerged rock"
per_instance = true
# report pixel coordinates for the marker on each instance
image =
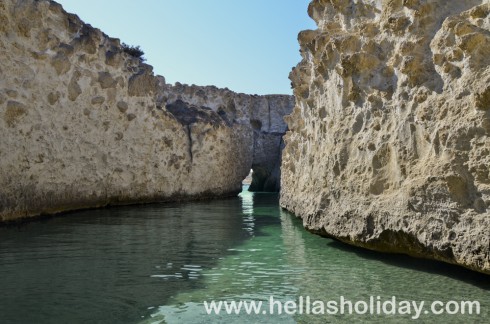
(84, 124)
(389, 142)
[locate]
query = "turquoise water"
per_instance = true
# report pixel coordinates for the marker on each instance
(159, 263)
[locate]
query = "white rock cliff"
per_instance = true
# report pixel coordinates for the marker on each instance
(389, 141)
(83, 124)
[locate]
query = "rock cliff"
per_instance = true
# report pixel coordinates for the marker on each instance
(85, 124)
(265, 115)
(389, 144)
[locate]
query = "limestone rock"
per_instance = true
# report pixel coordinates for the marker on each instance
(13, 112)
(389, 142)
(263, 116)
(84, 124)
(106, 80)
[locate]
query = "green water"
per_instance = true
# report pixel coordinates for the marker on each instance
(159, 263)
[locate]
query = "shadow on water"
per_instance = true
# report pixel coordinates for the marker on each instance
(439, 268)
(283, 260)
(143, 263)
(422, 265)
(114, 264)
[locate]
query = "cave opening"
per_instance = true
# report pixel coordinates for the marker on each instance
(247, 181)
(260, 179)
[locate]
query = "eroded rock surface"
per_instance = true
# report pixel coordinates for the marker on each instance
(389, 141)
(83, 124)
(265, 115)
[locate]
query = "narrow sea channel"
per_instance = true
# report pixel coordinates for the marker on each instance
(158, 264)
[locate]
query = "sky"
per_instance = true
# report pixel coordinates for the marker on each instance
(248, 46)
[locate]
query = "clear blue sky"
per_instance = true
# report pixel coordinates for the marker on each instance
(248, 46)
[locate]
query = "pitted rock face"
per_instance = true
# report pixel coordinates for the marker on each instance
(263, 115)
(389, 142)
(84, 124)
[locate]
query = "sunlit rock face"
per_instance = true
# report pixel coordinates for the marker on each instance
(263, 114)
(84, 124)
(389, 142)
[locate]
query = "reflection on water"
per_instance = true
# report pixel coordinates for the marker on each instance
(112, 264)
(158, 263)
(248, 210)
(287, 262)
